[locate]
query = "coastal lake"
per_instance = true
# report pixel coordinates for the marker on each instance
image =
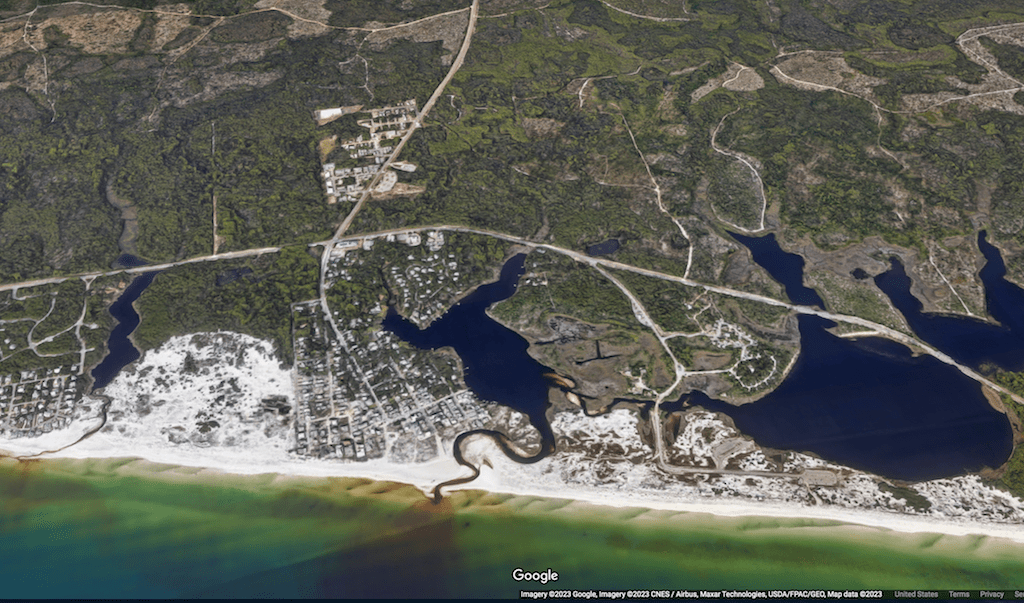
(124, 528)
(970, 341)
(868, 403)
(787, 268)
(496, 364)
(120, 351)
(871, 405)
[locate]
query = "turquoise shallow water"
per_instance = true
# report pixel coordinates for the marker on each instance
(87, 529)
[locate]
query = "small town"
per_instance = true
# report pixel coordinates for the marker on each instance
(39, 401)
(367, 397)
(385, 124)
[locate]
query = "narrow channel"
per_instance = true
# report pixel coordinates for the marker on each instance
(497, 367)
(977, 343)
(120, 351)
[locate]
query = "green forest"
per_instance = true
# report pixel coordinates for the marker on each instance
(568, 124)
(251, 296)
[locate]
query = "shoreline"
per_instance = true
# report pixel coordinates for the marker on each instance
(198, 465)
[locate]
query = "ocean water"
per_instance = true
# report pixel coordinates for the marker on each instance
(82, 529)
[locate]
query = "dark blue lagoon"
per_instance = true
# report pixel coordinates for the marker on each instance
(870, 404)
(787, 268)
(607, 247)
(970, 341)
(1003, 299)
(127, 260)
(497, 367)
(120, 351)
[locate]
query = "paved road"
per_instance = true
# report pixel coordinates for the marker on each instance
(580, 257)
(139, 270)
(598, 261)
(456, 64)
(474, 12)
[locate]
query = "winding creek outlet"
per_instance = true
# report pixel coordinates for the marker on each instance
(368, 401)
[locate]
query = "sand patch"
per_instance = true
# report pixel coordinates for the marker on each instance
(737, 77)
(309, 17)
(400, 189)
(541, 127)
(95, 33)
(169, 26)
(327, 145)
(821, 71)
(996, 89)
(745, 80)
(11, 40)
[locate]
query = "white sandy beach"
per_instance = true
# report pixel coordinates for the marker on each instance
(426, 476)
(153, 417)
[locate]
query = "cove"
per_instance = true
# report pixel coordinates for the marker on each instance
(496, 365)
(1004, 300)
(970, 341)
(867, 403)
(120, 351)
(786, 268)
(871, 405)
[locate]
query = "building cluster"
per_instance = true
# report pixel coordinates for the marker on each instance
(427, 285)
(323, 116)
(368, 397)
(371, 151)
(38, 401)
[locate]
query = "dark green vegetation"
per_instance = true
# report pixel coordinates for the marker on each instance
(199, 7)
(357, 14)
(1011, 58)
(371, 276)
(672, 306)
(354, 538)
(565, 125)
(52, 214)
(163, 136)
(518, 147)
(515, 133)
(555, 285)
(213, 296)
(545, 168)
(1013, 478)
(854, 298)
(911, 497)
(47, 314)
(571, 311)
(733, 192)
